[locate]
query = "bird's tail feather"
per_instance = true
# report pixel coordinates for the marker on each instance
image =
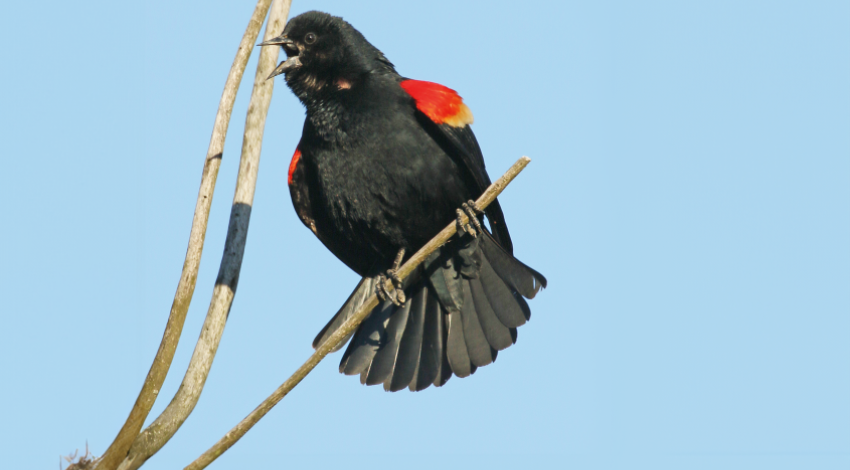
(463, 309)
(362, 292)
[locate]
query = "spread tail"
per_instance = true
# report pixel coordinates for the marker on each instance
(465, 306)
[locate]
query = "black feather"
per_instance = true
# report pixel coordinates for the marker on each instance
(410, 347)
(362, 292)
(517, 275)
(480, 352)
(462, 146)
(501, 299)
(384, 361)
(498, 335)
(433, 343)
(523, 305)
(370, 336)
(457, 352)
(444, 371)
(445, 280)
(468, 259)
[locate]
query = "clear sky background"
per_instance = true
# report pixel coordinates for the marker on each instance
(688, 200)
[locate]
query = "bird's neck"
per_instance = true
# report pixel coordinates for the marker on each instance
(331, 103)
(326, 115)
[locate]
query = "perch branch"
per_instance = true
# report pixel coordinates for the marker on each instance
(166, 425)
(349, 326)
(186, 286)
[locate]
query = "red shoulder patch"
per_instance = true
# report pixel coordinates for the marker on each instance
(441, 104)
(293, 164)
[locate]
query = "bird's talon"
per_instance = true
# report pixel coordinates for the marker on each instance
(464, 227)
(381, 288)
(460, 226)
(467, 227)
(393, 274)
(472, 210)
(397, 297)
(474, 206)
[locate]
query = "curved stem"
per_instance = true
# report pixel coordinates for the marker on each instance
(186, 286)
(349, 326)
(175, 414)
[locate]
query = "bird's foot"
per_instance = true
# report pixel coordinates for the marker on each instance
(397, 296)
(471, 210)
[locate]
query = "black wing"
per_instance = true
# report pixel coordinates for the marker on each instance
(461, 145)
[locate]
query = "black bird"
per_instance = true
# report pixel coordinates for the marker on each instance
(384, 163)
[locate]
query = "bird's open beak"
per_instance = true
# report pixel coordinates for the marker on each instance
(288, 45)
(289, 64)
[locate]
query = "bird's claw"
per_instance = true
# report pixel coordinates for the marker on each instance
(471, 210)
(384, 294)
(397, 296)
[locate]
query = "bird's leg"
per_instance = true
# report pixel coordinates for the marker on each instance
(393, 274)
(471, 209)
(397, 297)
(381, 288)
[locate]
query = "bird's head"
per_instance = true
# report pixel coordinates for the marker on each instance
(324, 52)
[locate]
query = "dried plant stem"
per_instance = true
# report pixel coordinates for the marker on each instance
(349, 326)
(186, 286)
(166, 425)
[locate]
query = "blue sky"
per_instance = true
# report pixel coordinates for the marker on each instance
(688, 200)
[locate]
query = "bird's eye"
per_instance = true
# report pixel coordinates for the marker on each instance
(310, 38)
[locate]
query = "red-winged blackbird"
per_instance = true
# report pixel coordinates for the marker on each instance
(384, 163)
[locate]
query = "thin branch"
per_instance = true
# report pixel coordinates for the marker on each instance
(349, 326)
(166, 425)
(186, 287)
